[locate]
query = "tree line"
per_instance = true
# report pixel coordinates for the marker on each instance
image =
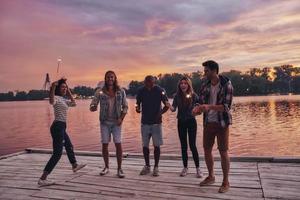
(79, 91)
(256, 81)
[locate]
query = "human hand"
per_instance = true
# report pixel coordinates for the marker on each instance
(196, 110)
(54, 84)
(137, 109)
(119, 121)
(93, 108)
(205, 107)
(170, 106)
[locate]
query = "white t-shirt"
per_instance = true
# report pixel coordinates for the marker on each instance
(212, 114)
(61, 106)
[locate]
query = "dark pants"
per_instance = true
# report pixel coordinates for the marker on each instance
(60, 139)
(188, 128)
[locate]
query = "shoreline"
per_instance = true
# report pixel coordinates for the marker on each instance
(133, 97)
(264, 159)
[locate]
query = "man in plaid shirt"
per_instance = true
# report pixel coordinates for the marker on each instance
(215, 101)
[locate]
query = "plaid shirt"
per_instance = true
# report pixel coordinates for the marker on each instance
(224, 97)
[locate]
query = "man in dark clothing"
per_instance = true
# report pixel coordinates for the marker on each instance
(149, 98)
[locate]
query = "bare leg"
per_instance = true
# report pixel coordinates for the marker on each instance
(119, 154)
(105, 155)
(225, 166)
(209, 160)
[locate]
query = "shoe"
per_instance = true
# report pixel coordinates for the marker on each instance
(78, 167)
(146, 170)
(121, 173)
(199, 174)
(45, 182)
(208, 181)
(184, 172)
(224, 188)
(104, 171)
(155, 171)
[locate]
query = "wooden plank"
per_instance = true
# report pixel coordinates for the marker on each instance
(165, 187)
(12, 155)
(275, 180)
(44, 158)
(178, 157)
(249, 180)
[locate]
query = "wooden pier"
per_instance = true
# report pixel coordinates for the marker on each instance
(250, 178)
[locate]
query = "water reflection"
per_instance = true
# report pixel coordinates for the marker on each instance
(262, 126)
(268, 126)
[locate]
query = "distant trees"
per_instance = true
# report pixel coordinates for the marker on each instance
(256, 81)
(9, 96)
(83, 91)
(133, 87)
(36, 94)
(23, 96)
(169, 82)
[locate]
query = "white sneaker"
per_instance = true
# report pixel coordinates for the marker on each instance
(78, 167)
(121, 173)
(45, 182)
(146, 170)
(184, 171)
(199, 174)
(104, 171)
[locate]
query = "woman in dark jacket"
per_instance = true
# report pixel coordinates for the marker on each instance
(184, 100)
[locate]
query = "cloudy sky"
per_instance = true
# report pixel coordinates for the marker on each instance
(140, 37)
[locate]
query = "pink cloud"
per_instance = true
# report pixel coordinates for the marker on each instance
(140, 38)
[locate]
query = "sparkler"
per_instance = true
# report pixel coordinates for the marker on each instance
(59, 60)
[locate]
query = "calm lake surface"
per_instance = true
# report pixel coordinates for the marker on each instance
(263, 126)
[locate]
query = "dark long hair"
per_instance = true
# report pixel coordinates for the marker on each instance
(60, 82)
(116, 84)
(183, 100)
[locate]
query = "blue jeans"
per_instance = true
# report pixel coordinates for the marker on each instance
(60, 139)
(110, 128)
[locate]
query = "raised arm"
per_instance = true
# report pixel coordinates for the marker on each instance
(72, 102)
(52, 92)
(95, 101)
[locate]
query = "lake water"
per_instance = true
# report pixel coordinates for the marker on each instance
(263, 126)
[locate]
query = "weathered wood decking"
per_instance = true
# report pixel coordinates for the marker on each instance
(251, 178)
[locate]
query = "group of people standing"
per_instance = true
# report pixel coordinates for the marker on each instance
(213, 101)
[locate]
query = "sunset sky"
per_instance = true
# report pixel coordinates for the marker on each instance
(140, 37)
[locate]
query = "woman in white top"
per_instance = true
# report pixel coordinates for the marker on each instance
(61, 98)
